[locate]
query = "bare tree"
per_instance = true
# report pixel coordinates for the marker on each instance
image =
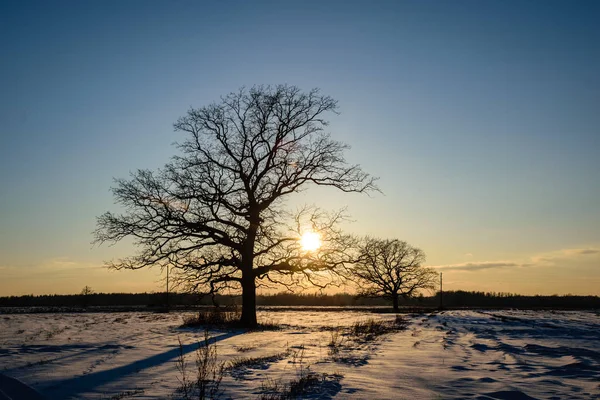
(86, 291)
(390, 269)
(85, 294)
(216, 213)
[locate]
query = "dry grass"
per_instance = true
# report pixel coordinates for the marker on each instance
(125, 394)
(370, 329)
(208, 373)
(299, 388)
(216, 316)
(249, 362)
(244, 349)
(224, 317)
(336, 342)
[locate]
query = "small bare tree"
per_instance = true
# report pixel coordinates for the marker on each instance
(390, 269)
(86, 291)
(216, 212)
(86, 294)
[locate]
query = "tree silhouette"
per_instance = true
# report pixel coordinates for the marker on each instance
(86, 291)
(216, 213)
(390, 269)
(85, 294)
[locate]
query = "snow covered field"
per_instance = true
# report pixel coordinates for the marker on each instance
(454, 354)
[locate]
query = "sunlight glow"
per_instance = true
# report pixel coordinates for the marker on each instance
(310, 241)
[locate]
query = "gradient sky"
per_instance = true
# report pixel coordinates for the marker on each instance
(481, 118)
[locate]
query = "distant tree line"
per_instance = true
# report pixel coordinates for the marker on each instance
(460, 298)
(184, 299)
(451, 299)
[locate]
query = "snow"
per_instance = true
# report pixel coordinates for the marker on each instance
(461, 354)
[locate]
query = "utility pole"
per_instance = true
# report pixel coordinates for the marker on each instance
(441, 292)
(167, 287)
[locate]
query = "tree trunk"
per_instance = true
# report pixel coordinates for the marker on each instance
(248, 318)
(395, 303)
(248, 301)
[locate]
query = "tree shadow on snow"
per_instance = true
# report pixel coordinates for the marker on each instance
(85, 383)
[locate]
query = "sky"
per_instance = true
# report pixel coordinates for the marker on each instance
(481, 119)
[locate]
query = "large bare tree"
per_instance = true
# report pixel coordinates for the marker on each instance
(390, 269)
(216, 213)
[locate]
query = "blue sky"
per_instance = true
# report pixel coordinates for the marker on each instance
(480, 118)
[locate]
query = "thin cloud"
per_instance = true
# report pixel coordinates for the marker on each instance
(544, 259)
(550, 259)
(562, 256)
(477, 266)
(588, 251)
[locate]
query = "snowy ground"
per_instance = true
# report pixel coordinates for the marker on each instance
(453, 354)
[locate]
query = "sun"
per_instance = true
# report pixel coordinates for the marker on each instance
(310, 241)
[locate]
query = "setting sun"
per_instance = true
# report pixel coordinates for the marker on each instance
(310, 241)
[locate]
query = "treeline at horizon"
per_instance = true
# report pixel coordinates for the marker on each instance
(451, 299)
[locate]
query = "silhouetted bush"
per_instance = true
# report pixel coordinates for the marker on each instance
(216, 316)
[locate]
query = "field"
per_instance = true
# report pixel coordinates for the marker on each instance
(462, 354)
